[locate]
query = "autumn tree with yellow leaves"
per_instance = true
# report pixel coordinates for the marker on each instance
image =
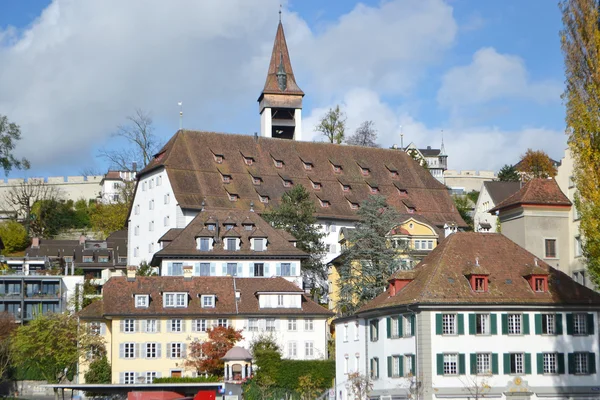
(580, 42)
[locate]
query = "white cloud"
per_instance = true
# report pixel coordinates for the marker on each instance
(491, 76)
(82, 66)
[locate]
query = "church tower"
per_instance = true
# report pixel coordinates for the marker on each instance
(280, 102)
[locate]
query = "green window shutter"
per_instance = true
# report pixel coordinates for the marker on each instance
(590, 324)
(569, 324)
(461, 324)
(560, 359)
(591, 363)
(400, 327)
(506, 363)
(438, 324)
(525, 324)
(571, 363)
(528, 363)
(378, 367)
(472, 324)
(388, 321)
(473, 362)
(440, 364)
(538, 324)
(540, 363)
(505, 324)
(495, 363)
(413, 320)
(413, 361)
(401, 369)
(494, 323)
(461, 364)
(389, 359)
(559, 324)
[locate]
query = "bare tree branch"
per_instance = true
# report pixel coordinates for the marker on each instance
(365, 135)
(22, 197)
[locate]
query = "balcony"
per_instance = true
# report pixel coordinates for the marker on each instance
(43, 296)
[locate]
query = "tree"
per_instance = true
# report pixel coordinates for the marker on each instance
(536, 164)
(359, 385)
(7, 327)
(99, 371)
(142, 144)
(580, 39)
(296, 215)
(365, 135)
(108, 218)
(10, 133)
(309, 387)
(14, 236)
(23, 196)
(145, 269)
(368, 261)
(205, 357)
(333, 125)
(464, 208)
(508, 173)
(416, 155)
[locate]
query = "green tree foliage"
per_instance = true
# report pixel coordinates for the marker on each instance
(536, 164)
(333, 125)
(99, 371)
(145, 269)
(296, 215)
(108, 218)
(50, 217)
(464, 208)
(368, 261)
(10, 134)
(205, 356)
(473, 196)
(508, 173)
(365, 135)
(416, 155)
(14, 236)
(581, 49)
(7, 327)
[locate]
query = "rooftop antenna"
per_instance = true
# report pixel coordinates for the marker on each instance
(401, 138)
(180, 115)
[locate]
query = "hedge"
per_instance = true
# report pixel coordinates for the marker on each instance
(199, 379)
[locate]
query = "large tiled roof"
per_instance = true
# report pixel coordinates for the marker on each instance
(189, 159)
(280, 55)
(118, 297)
(499, 191)
(441, 277)
(184, 244)
(537, 191)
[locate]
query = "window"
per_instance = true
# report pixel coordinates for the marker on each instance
(150, 247)
(292, 350)
(176, 350)
(256, 180)
(450, 364)
(218, 159)
(364, 171)
(324, 203)
(287, 183)
(550, 363)
(409, 365)
(136, 209)
(248, 160)
(199, 325)
(316, 185)
(88, 259)
(480, 284)
(253, 325)
(128, 326)
(176, 325)
(270, 324)
(581, 361)
(167, 198)
(136, 251)
(210, 227)
(176, 269)
(231, 269)
(308, 324)
(517, 363)
(483, 364)
(141, 300)
(337, 168)
(346, 188)
(279, 300)
(129, 378)
(158, 180)
(396, 327)
(548, 324)
(204, 269)
(373, 189)
(204, 244)
(482, 324)
(374, 330)
(231, 244)
(259, 245)
(514, 324)
(151, 350)
(449, 324)
(208, 301)
(354, 206)
(95, 328)
(144, 187)
(550, 248)
(167, 220)
(580, 324)
(136, 230)
(259, 269)
(286, 269)
(396, 366)
(151, 183)
(151, 204)
(150, 376)
(278, 163)
(175, 300)
(374, 368)
(233, 197)
(540, 284)
(222, 322)
(129, 350)
(264, 199)
(226, 178)
(151, 326)
(309, 350)
(578, 250)
(346, 332)
(307, 166)
(151, 226)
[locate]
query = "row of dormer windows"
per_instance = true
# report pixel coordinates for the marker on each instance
(175, 300)
(231, 244)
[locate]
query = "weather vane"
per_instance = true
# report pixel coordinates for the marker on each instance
(280, 12)
(180, 115)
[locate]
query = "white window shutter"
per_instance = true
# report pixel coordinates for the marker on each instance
(184, 350)
(170, 269)
(224, 269)
(168, 325)
(213, 269)
(136, 326)
(144, 326)
(278, 269)
(266, 269)
(169, 350)
(121, 377)
(194, 326)
(197, 269)
(102, 328)
(277, 325)
(293, 272)
(122, 350)
(239, 269)
(183, 323)
(158, 324)
(122, 325)
(158, 350)
(159, 374)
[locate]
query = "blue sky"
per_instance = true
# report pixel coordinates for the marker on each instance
(489, 74)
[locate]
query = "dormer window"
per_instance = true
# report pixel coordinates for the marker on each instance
(218, 158)
(287, 183)
(142, 300)
(353, 206)
(479, 283)
(263, 199)
(226, 178)
(207, 301)
(256, 180)
(210, 227)
(248, 160)
(248, 227)
(410, 210)
(337, 168)
(278, 163)
(393, 174)
(233, 197)
(229, 227)
(231, 244)
(345, 188)
(540, 285)
(373, 189)
(403, 192)
(175, 299)
(203, 244)
(365, 171)
(316, 185)
(308, 166)
(324, 203)
(259, 244)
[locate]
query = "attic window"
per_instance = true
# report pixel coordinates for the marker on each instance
(233, 197)
(316, 185)
(345, 188)
(479, 283)
(353, 206)
(410, 210)
(287, 183)
(373, 189)
(337, 168)
(207, 301)
(394, 174)
(226, 178)
(248, 227)
(263, 199)
(540, 285)
(210, 227)
(142, 300)
(364, 171)
(248, 160)
(218, 158)
(403, 192)
(229, 227)
(256, 180)
(308, 166)
(324, 203)
(278, 163)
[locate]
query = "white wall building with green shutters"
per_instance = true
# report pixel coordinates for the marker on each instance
(439, 332)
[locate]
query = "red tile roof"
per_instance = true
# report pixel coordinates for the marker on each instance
(280, 55)
(537, 191)
(118, 297)
(441, 277)
(194, 175)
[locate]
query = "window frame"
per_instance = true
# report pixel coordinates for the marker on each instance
(449, 327)
(209, 304)
(142, 300)
(554, 242)
(171, 299)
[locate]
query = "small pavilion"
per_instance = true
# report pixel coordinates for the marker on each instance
(238, 364)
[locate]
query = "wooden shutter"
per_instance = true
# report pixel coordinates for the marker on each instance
(183, 323)
(389, 366)
(495, 363)
(504, 324)
(121, 350)
(413, 321)
(122, 325)
(183, 350)
(472, 324)
(400, 323)
(569, 323)
(590, 324)
(136, 325)
(400, 365)
(525, 324)
(559, 323)
(169, 348)
(540, 363)
(571, 363)
(440, 364)
(388, 322)
(473, 362)
(158, 350)
(528, 363)
(506, 363)
(560, 360)
(494, 324)
(438, 324)
(169, 325)
(144, 326)
(158, 324)
(461, 323)
(538, 324)
(462, 364)
(121, 377)
(591, 363)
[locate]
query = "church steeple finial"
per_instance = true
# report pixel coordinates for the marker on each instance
(280, 13)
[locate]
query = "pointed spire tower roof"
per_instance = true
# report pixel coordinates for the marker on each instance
(280, 78)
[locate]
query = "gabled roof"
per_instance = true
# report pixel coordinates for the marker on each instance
(184, 244)
(499, 191)
(440, 277)
(118, 297)
(193, 175)
(538, 191)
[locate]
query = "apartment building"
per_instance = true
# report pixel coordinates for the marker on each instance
(478, 317)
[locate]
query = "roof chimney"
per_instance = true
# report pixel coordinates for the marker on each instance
(134, 167)
(131, 270)
(81, 239)
(35, 242)
(188, 271)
